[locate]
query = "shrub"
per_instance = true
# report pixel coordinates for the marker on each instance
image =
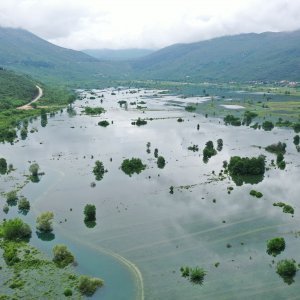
(16, 230)
(88, 286)
(94, 110)
(99, 170)
(34, 169)
(44, 221)
(133, 165)
(232, 120)
(89, 213)
(68, 292)
(267, 125)
(3, 166)
(287, 269)
(11, 198)
(209, 150)
(190, 108)
(285, 207)
(247, 166)
(24, 205)
(161, 162)
(275, 246)
(193, 148)
(296, 139)
(278, 148)
(195, 275)
(103, 123)
(256, 194)
(62, 256)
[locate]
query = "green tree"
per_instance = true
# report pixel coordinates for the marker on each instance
(16, 230)
(24, 205)
(161, 162)
(89, 213)
(275, 246)
(88, 286)
(62, 256)
(287, 269)
(44, 221)
(133, 165)
(99, 170)
(34, 169)
(3, 166)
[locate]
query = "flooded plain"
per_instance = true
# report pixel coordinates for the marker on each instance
(143, 233)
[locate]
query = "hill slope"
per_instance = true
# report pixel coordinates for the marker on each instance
(23, 51)
(120, 54)
(266, 56)
(15, 89)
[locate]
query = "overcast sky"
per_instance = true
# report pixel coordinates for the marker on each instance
(83, 24)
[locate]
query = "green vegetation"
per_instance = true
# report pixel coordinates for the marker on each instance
(133, 165)
(296, 140)
(278, 148)
(88, 286)
(3, 166)
(180, 120)
(285, 207)
(161, 162)
(232, 120)
(209, 150)
(193, 148)
(11, 198)
(267, 125)
(195, 275)
(44, 221)
(287, 269)
(139, 122)
(275, 246)
(62, 256)
(190, 108)
(34, 169)
(89, 213)
(248, 117)
(103, 123)
(246, 166)
(256, 194)
(219, 144)
(94, 110)
(24, 205)
(156, 153)
(99, 170)
(15, 230)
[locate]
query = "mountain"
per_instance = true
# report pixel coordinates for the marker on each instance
(15, 89)
(119, 54)
(244, 57)
(23, 51)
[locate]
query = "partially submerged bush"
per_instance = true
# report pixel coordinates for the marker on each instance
(24, 205)
(196, 275)
(88, 286)
(287, 269)
(99, 170)
(103, 123)
(44, 221)
(256, 194)
(133, 165)
(288, 209)
(161, 162)
(275, 246)
(89, 213)
(15, 230)
(62, 256)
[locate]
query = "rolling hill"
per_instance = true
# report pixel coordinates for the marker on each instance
(118, 54)
(244, 57)
(23, 51)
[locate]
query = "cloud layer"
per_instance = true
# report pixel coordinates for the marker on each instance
(83, 24)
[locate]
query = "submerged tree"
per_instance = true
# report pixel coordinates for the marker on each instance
(62, 256)
(161, 162)
(275, 246)
(44, 221)
(3, 166)
(99, 170)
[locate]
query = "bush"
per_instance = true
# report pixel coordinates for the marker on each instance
(94, 110)
(256, 194)
(285, 207)
(34, 169)
(89, 213)
(11, 198)
(44, 221)
(24, 205)
(62, 256)
(195, 275)
(296, 139)
(246, 166)
(103, 123)
(88, 286)
(278, 148)
(287, 269)
(161, 162)
(267, 125)
(133, 165)
(99, 170)
(232, 120)
(209, 150)
(16, 230)
(3, 166)
(275, 246)
(68, 292)
(190, 108)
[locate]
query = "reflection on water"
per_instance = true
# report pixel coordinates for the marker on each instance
(139, 219)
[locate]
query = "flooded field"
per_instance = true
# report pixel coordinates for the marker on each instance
(143, 233)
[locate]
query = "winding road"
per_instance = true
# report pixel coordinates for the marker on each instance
(28, 105)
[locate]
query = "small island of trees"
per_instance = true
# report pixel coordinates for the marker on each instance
(133, 165)
(99, 170)
(275, 246)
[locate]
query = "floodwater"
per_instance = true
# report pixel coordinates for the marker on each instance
(144, 234)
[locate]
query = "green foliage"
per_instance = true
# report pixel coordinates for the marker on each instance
(89, 213)
(209, 150)
(287, 269)
(219, 144)
(62, 256)
(94, 110)
(190, 108)
(180, 120)
(133, 165)
(275, 246)
(248, 117)
(3, 166)
(256, 194)
(88, 286)
(278, 148)
(10, 253)
(44, 221)
(246, 166)
(156, 153)
(24, 205)
(296, 127)
(288, 209)
(193, 148)
(15, 230)
(34, 169)
(161, 162)
(196, 275)
(232, 120)
(11, 198)
(99, 170)
(103, 123)
(139, 122)
(296, 139)
(68, 292)
(267, 125)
